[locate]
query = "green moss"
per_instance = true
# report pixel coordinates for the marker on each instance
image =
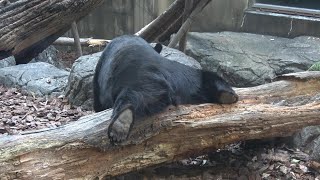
(315, 67)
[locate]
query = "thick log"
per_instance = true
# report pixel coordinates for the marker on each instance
(81, 150)
(27, 27)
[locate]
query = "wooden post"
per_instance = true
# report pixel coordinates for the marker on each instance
(187, 8)
(76, 37)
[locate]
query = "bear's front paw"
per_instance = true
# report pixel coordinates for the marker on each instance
(228, 97)
(120, 126)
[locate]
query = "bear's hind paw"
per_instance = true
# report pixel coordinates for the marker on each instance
(120, 126)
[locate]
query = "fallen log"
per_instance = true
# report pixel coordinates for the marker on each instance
(27, 27)
(81, 150)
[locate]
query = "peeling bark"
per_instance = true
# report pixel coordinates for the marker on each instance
(81, 149)
(27, 27)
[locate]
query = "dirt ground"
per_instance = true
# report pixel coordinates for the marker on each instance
(21, 111)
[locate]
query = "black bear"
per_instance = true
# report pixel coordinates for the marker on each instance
(136, 81)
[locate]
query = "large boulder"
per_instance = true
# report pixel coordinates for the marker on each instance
(9, 61)
(40, 78)
(246, 59)
(308, 140)
(79, 90)
(49, 55)
(180, 57)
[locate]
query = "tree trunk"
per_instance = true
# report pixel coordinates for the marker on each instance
(168, 22)
(162, 22)
(27, 27)
(187, 24)
(81, 149)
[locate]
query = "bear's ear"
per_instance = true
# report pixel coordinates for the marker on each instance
(158, 47)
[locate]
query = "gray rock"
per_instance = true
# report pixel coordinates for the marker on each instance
(9, 61)
(79, 90)
(308, 139)
(178, 56)
(40, 78)
(246, 59)
(49, 55)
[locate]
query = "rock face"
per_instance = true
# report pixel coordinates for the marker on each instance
(40, 78)
(249, 59)
(246, 59)
(49, 55)
(79, 90)
(308, 139)
(180, 57)
(9, 61)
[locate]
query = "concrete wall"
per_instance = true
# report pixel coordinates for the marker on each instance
(237, 15)
(221, 15)
(117, 17)
(280, 25)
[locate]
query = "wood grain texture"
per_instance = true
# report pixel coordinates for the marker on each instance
(27, 27)
(81, 150)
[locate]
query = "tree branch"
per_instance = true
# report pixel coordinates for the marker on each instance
(187, 24)
(162, 22)
(88, 42)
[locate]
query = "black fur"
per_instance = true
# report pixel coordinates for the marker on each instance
(131, 74)
(158, 47)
